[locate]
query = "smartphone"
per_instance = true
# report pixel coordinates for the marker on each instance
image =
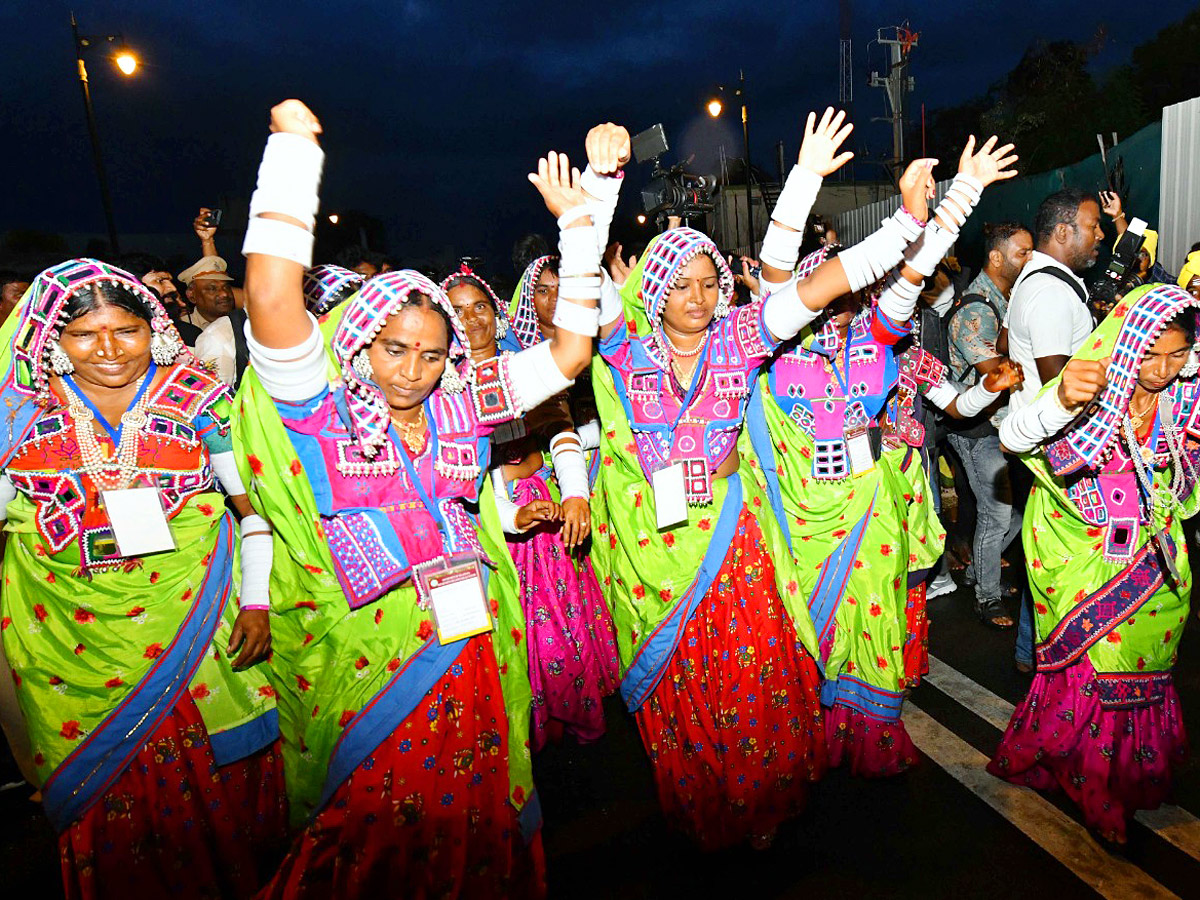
(213, 219)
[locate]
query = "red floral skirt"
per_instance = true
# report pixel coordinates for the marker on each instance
(427, 814)
(916, 642)
(1110, 762)
(734, 726)
(176, 825)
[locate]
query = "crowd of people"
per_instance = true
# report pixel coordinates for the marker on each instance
(300, 575)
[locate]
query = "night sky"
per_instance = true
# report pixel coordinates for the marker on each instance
(434, 112)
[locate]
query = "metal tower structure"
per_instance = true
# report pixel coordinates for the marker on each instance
(846, 64)
(897, 83)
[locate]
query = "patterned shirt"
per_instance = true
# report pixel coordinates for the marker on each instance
(974, 328)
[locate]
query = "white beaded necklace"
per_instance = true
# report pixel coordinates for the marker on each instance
(95, 462)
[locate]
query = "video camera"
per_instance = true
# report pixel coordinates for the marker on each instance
(673, 192)
(1121, 275)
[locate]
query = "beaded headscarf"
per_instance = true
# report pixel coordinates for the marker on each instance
(366, 314)
(1126, 334)
(327, 286)
(41, 317)
(521, 311)
(467, 275)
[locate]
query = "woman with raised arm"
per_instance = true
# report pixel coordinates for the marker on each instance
(1113, 444)
(541, 484)
(715, 640)
(399, 662)
(133, 615)
(834, 430)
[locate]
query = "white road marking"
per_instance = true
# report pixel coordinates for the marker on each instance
(1042, 822)
(1173, 824)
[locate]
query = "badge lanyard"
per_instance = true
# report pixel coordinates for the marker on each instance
(414, 476)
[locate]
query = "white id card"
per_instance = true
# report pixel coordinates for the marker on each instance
(858, 448)
(670, 498)
(455, 591)
(138, 522)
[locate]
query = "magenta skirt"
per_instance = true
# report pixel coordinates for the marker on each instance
(1110, 762)
(572, 647)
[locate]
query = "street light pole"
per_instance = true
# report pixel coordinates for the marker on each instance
(105, 197)
(746, 159)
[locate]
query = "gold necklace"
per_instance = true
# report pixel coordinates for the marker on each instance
(1139, 418)
(413, 433)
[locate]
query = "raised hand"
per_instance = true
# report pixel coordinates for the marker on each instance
(558, 183)
(577, 522)
(203, 230)
(917, 187)
(1110, 203)
(293, 117)
(748, 278)
(536, 512)
(1004, 377)
(819, 150)
(618, 268)
(990, 163)
(608, 148)
(1082, 381)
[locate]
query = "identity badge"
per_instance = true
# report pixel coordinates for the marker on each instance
(138, 521)
(453, 587)
(670, 496)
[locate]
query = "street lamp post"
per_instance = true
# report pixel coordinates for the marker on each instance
(715, 107)
(127, 63)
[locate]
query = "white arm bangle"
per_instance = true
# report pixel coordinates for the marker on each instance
(577, 251)
(226, 470)
(796, 200)
(589, 435)
(570, 470)
(291, 373)
(974, 401)
(574, 214)
(579, 287)
(784, 313)
(942, 395)
(1045, 417)
(899, 298)
(606, 189)
(583, 320)
(874, 256)
(505, 508)
(964, 193)
(257, 548)
(288, 178)
(271, 237)
(8, 493)
(535, 376)
(930, 248)
(611, 307)
(781, 248)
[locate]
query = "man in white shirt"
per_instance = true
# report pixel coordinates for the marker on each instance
(1048, 318)
(1047, 321)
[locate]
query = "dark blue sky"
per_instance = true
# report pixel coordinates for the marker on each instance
(434, 111)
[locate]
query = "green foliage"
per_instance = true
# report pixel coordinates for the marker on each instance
(1052, 107)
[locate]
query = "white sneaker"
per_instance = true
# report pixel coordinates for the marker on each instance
(943, 584)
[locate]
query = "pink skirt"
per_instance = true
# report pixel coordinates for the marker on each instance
(1110, 762)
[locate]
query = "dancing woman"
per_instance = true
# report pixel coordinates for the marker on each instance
(714, 637)
(131, 629)
(834, 430)
(543, 503)
(1112, 443)
(403, 692)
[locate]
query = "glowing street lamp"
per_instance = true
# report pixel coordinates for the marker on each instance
(333, 219)
(715, 107)
(127, 63)
(641, 218)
